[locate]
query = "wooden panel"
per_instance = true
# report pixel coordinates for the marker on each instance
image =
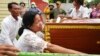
(81, 37)
(84, 40)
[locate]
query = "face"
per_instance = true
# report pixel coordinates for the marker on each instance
(74, 3)
(58, 5)
(51, 7)
(38, 24)
(15, 10)
(22, 5)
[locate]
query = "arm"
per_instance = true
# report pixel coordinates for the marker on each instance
(8, 50)
(5, 33)
(59, 49)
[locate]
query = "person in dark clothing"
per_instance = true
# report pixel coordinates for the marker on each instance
(35, 8)
(51, 11)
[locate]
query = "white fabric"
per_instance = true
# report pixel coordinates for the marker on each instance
(9, 30)
(40, 34)
(81, 13)
(30, 42)
(82, 21)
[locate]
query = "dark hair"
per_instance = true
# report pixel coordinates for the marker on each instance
(22, 3)
(80, 2)
(28, 20)
(97, 3)
(51, 5)
(10, 5)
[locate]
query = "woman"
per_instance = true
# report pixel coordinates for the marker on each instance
(30, 42)
(96, 12)
(79, 12)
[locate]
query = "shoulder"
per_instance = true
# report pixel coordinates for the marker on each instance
(6, 20)
(83, 8)
(29, 36)
(28, 33)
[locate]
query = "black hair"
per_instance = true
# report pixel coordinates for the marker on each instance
(51, 5)
(80, 2)
(28, 20)
(10, 5)
(22, 3)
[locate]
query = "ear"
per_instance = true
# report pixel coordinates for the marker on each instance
(9, 10)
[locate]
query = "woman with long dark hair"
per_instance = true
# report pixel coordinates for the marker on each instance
(30, 42)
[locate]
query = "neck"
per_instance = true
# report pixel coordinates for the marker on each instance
(58, 7)
(15, 17)
(33, 30)
(77, 7)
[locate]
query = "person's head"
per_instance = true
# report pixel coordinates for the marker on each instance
(14, 9)
(33, 5)
(78, 2)
(58, 4)
(32, 21)
(92, 6)
(98, 6)
(22, 4)
(51, 7)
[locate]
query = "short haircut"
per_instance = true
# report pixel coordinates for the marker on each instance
(10, 5)
(58, 2)
(51, 5)
(80, 2)
(22, 3)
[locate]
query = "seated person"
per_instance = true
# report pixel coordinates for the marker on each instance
(30, 42)
(79, 12)
(96, 12)
(58, 10)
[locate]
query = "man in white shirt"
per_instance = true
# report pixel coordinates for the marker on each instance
(79, 12)
(11, 24)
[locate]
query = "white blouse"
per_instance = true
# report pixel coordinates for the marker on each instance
(81, 13)
(30, 42)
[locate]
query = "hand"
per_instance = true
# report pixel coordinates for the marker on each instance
(8, 50)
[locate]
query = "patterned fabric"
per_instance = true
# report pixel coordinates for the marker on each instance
(95, 14)
(30, 42)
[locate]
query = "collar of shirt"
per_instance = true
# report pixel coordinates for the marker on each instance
(80, 9)
(28, 31)
(13, 19)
